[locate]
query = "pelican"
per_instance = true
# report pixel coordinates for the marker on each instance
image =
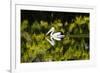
(54, 36)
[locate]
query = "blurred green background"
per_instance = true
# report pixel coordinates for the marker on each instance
(35, 25)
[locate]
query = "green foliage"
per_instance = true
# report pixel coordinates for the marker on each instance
(74, 46)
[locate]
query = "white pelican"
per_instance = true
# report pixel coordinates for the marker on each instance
(54, 36)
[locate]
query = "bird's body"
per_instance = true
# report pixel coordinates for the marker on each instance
(57, 36)
(54, 36)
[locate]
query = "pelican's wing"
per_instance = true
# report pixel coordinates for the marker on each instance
(51, 30)
(51, 41)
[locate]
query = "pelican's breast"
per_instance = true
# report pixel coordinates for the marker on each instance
(55, 36)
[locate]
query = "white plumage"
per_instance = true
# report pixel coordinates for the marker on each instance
(54, 36)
